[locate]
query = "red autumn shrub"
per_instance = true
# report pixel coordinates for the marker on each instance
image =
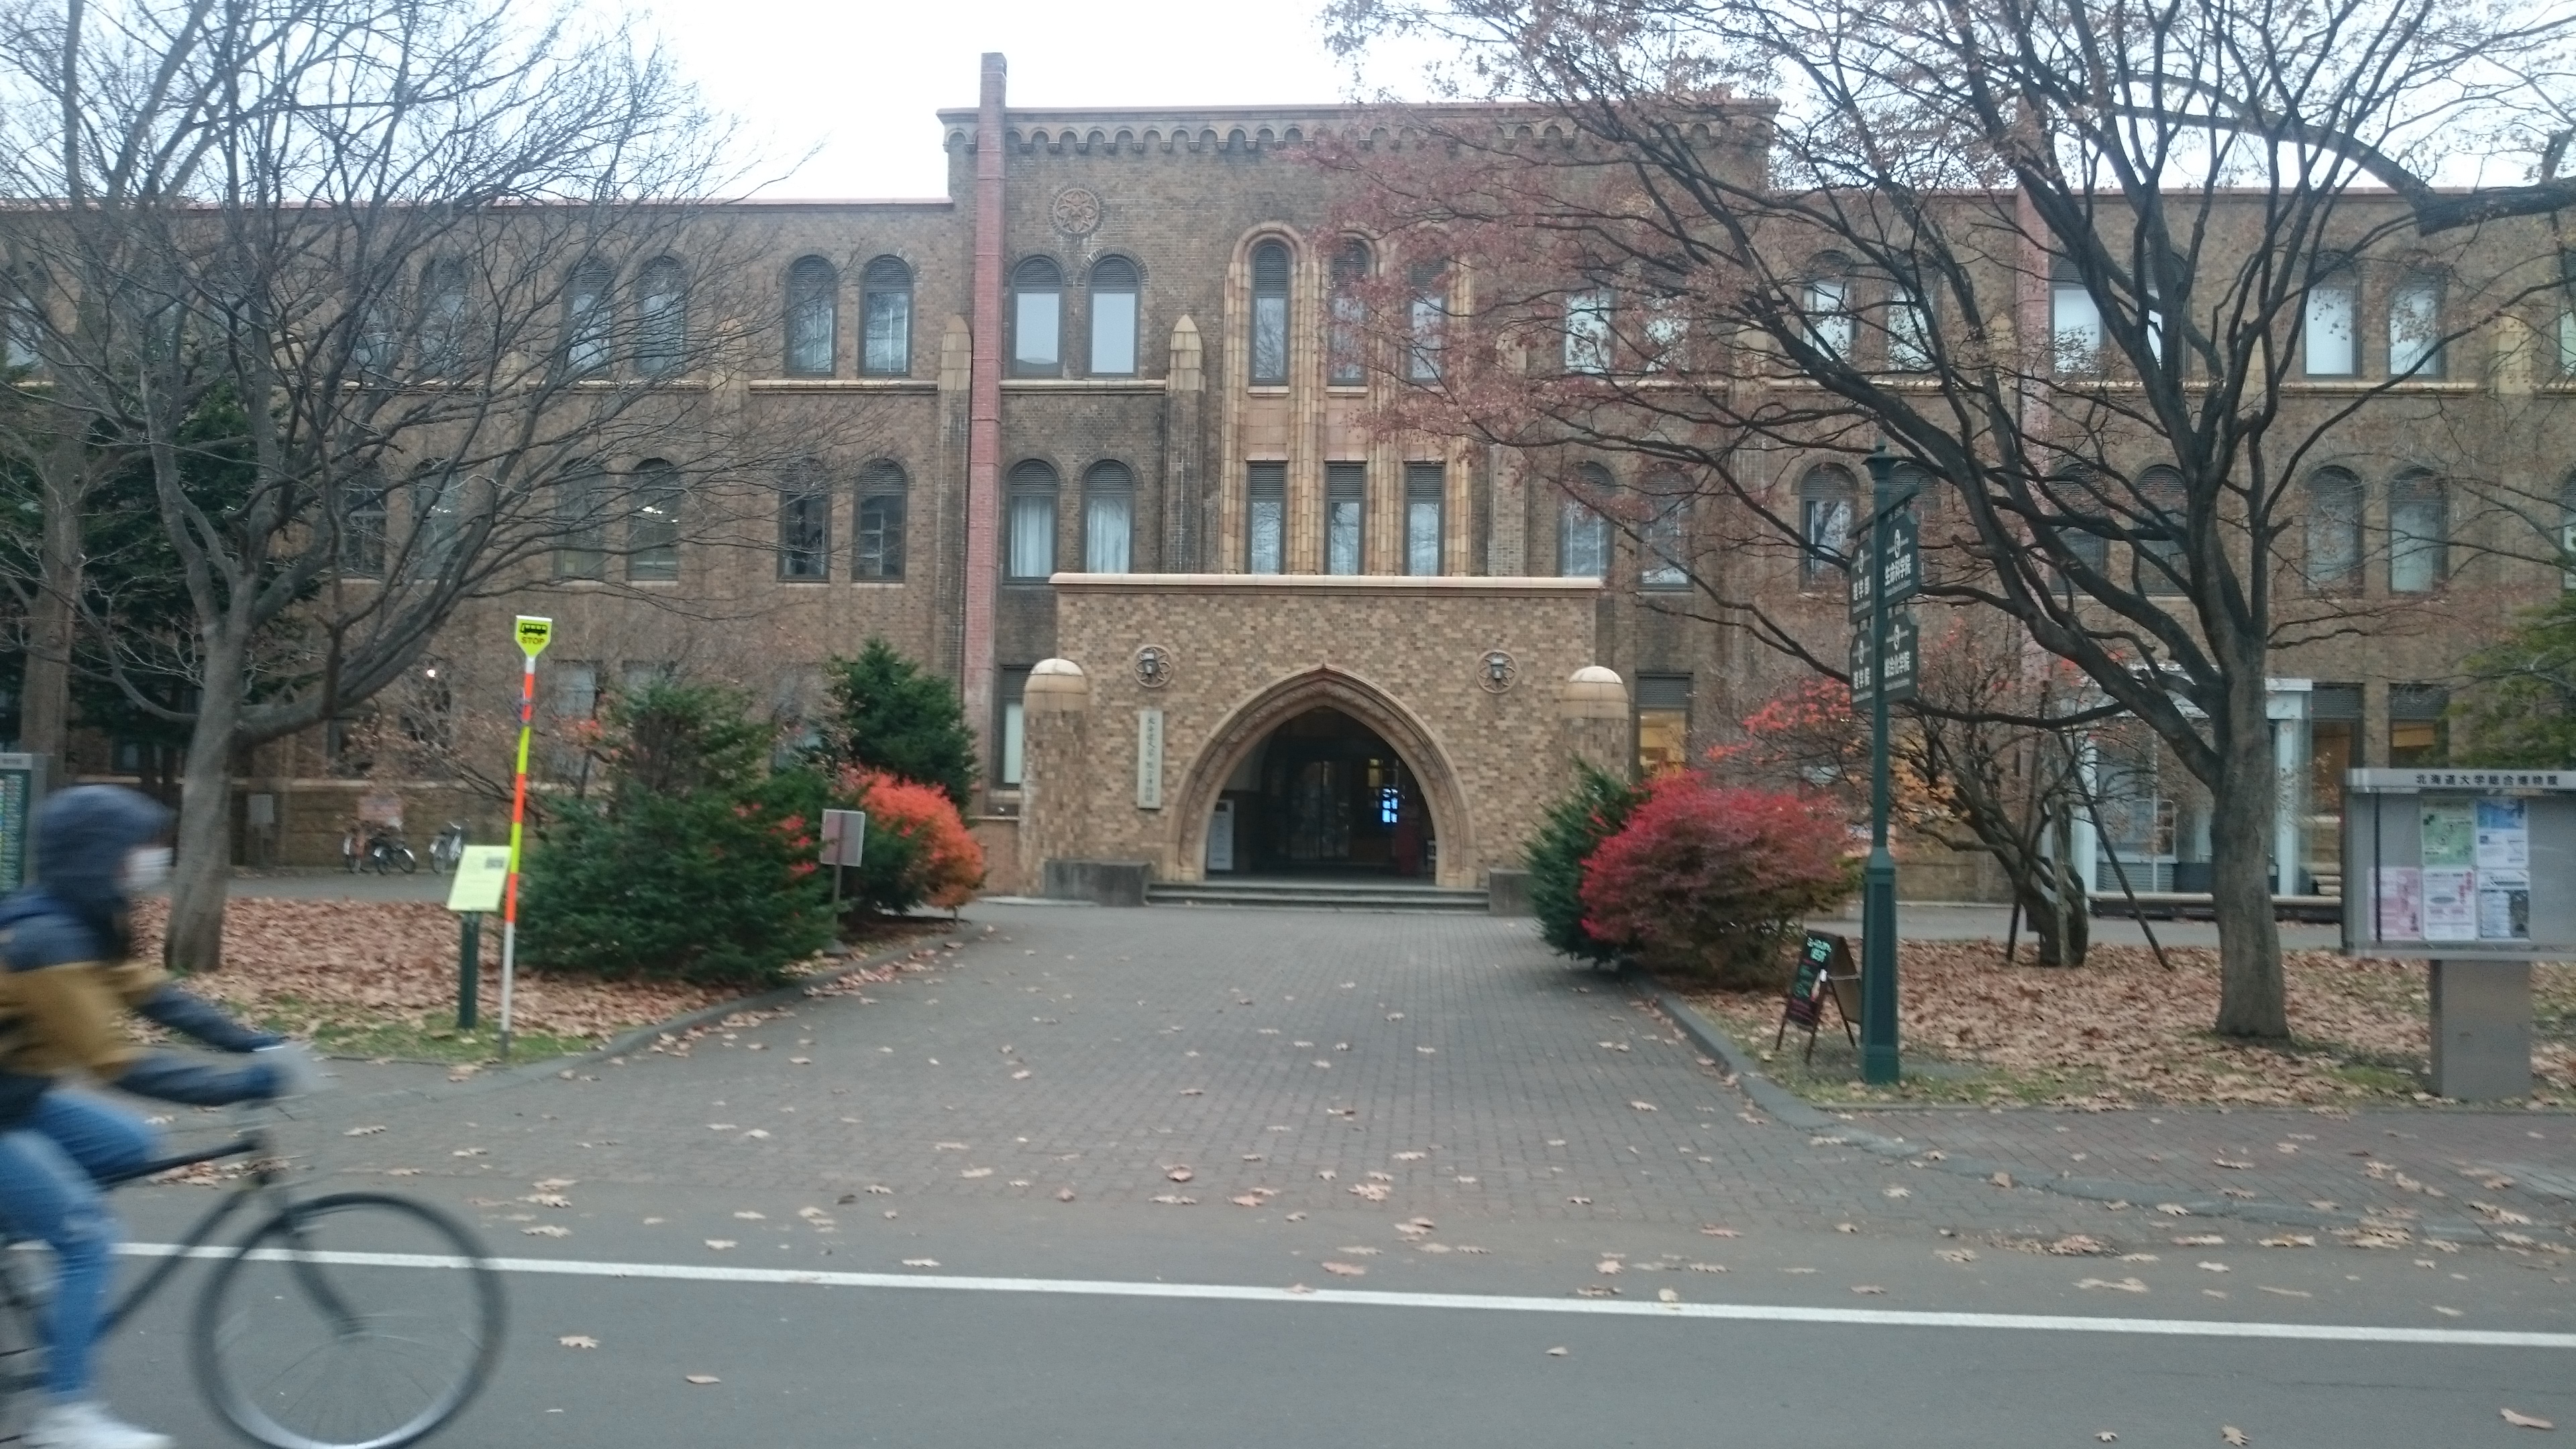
(940, 863)
(1714, 881)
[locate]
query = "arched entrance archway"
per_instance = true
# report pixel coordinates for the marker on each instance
(1332, 720)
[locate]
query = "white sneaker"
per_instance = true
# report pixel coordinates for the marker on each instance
(85, 1425)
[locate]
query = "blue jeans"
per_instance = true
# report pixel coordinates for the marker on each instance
(48, 1189)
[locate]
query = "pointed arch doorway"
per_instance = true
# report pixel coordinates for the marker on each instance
(1325, 775)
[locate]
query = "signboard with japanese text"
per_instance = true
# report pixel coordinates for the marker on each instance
(1900, 573)
(22, 788)
(2461, 864)
(1898, 676)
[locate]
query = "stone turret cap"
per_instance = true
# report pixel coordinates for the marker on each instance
(1055, 686)
(1592, 692)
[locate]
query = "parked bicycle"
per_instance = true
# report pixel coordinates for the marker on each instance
(352, 1320)
(448, 849)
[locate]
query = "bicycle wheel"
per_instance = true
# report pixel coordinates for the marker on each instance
(353, 1321)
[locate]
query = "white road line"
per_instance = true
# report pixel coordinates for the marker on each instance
(1490, 1303)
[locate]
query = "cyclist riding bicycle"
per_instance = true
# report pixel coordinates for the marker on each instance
(64, 981)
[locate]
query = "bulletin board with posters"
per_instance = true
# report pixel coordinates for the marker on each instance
(2460, 864)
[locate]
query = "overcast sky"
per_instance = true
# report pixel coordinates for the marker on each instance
(860, 81)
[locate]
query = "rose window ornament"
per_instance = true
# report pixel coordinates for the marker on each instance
(1153, 666)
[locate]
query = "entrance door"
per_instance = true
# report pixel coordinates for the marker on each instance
(1220, 839)
(1331, 796)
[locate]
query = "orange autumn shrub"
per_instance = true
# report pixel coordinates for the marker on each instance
(918, 851)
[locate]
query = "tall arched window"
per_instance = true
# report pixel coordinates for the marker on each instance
(1828, 307)
(805, 523)
(2160, 556)
(2567, 532)
(1109, 519)
(1909, 328)
(881, 496)
(1588, 336)
(1825, 497)
(1270, 312)
(1113, 318)
(581, 521)
(442, 317)
(2415, 327)
(2334, 529)
(1347, 349)
(590, 317)
(2083, 514)
(813, 317)
(653, 524)
(1037, 317)
(885, 309)
(1428, 320)
(1664, 552)
(1582, 534)
(2419, 532)
(2567, 314)
(662, 318)
(22, 332)
(1032, 521)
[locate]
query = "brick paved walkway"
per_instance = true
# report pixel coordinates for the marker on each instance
(1444, 1065)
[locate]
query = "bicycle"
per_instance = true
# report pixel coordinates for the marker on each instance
(386, 851)
(448, 849)
(353, 1320)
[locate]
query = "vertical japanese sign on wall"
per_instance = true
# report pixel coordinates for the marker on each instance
(1149, 759)
(22, 785)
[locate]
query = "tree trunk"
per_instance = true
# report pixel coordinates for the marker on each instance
(202, 874)
(45, 693)
(2252, 1000)
(2059, 919)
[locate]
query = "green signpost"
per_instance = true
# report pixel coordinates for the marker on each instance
(482, 874)
(1884, 575)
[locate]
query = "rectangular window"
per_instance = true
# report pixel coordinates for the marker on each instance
(2328, 338)
(2415, 330)
(2334, 738)
(805, 534)
(2567, 342)
(2418, 727)
(1587, 331)
(1011, 765)
(1113, 333)
(653, 529)
(2418, 536)
(1265, 520)
(2075, 328)
(1582, 542)
(1428, 318)
(1663, 722)
(573, 699)
(1667, 334)
(1032, 535)
(1270, 338)
(888, 333)
(1033, 332)
(1909, 335)
(880, 554)
(1345, 506)
(1108, 532)
(1424, 487)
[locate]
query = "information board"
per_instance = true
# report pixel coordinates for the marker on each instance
(22, 788)
(2460, 864)
(481, 873)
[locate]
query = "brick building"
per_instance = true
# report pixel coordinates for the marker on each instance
(1105, 422)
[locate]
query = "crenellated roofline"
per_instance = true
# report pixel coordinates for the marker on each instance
(1169, 129)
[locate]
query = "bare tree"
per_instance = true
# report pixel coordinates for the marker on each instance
(2070, 261)
(396, 300)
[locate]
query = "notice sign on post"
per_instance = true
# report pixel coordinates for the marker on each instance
(22, 785)
(845, 837)
(481, 872)
(2461, 863)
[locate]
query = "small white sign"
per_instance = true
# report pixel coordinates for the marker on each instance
(1149, 759)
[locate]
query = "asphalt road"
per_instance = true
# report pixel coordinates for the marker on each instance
(701, 1193)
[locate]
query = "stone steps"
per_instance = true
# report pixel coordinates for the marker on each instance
(1316, 895)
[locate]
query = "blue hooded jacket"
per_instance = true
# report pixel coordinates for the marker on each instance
(64, 942)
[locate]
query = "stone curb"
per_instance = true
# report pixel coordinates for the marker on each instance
(629, 1040)
(1794, 1111)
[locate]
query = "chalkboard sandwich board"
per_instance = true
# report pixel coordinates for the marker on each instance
(1825, 972)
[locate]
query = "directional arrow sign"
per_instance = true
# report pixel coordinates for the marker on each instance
(1900, 573)
(1899, 675)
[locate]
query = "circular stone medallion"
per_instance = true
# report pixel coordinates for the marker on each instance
(1077, 211)
(1496, 671)
(1153, 666)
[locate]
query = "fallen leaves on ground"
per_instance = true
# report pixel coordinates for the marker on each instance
(1346, 1270)
(578, 1340)
(2123, 1028)
(703, 1380)
(2525, 1421)
(2233, 1435)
